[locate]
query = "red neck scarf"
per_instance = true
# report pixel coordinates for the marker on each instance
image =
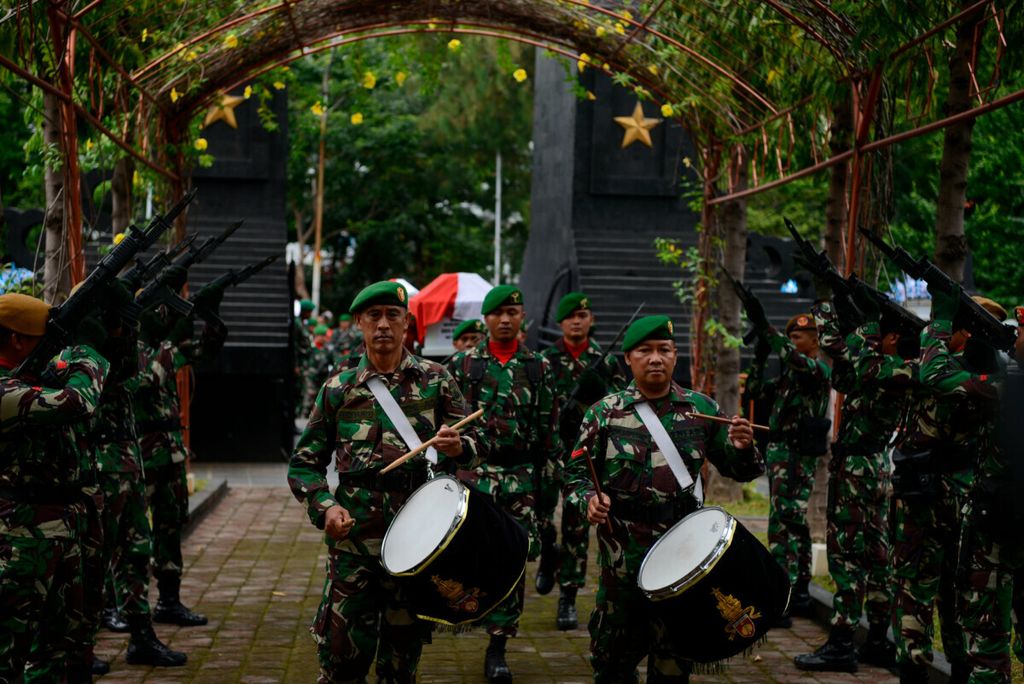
(575, 350)
(503, 351)
(7, 364)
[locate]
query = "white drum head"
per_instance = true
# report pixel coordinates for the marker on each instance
(689, 545)
(423, 524)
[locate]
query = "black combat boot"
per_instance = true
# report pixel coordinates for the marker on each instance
(145, 648)
(99, 666)
(836, 655)
(567, 618)
(959, 672)
(913, 673)
(800, 603)
(495, 668)
(548, 562)
(877, 650)
(113, 621)
(169, 609)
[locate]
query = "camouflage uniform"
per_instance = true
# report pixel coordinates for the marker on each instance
(646, 502)
(567, 370)
(876, 399)
(362, 607)
(520, 425)
(801, 394)
(42, 509)
(954, 420)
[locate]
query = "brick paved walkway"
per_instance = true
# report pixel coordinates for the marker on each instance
(255, 567)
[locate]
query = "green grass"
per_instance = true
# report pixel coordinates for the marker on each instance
(753, 505)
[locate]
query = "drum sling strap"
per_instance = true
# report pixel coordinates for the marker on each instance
(397, 416)
(668, 449)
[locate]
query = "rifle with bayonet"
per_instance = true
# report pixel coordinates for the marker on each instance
(143, 271)
(751, 305)
(89, 296)
(159, 290)
(970, 315)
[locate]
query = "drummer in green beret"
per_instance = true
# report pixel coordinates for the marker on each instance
(583, 374)
(641, 494)
(468, 334)
(514, 387)
(350, 426)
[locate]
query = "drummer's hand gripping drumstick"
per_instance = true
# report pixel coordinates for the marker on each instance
(724, 421)
(593, 477)
(430, 442)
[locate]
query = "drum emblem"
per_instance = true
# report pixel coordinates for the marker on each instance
(739, 620)
(459, 598)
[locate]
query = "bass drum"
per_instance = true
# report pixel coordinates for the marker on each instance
(457, 553)
(714, 585)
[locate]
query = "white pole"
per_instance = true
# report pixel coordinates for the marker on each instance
(497, 219)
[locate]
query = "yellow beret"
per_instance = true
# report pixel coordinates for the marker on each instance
(23, 314)
(801, 322)
(991, 306)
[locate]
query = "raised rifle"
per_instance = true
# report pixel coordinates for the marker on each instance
(229, 279)
(751, 304)
(143, 271)
(970, 315)
(87, 297)
(842, 290)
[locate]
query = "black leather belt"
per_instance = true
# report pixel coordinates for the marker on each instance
(396, 481)
(58, 495)
(664, 513)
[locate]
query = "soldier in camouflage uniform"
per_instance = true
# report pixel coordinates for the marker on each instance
(165, 348)
(44, 477)
(798, 438)
(363, 612)
(642, 498)
(876, 382)
(468, 334)
(514, 387)
(934, 471)
(571, 358)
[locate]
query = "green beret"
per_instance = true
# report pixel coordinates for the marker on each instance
(571, 303)
(500, 296)
(307, 305)
(345, 317)
(801, 322)
(320, 330)
(470, 326)
(384, 292)
(647, 328)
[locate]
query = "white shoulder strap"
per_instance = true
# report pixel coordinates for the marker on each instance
(669, 451)
(398, 418)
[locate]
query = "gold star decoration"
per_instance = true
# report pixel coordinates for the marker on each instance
(637, 127)
(223, 111)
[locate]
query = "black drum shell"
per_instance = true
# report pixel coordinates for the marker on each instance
(703, 626)
(476, 571)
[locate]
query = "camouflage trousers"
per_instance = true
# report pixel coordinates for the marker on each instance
(990, 590)
(36, 578)
(364, 618)
(924, 552)
(167, 497)
(858, 538)
(790, 478)
(128, 544)
(572, 570)
(546, 498)
(623, 632)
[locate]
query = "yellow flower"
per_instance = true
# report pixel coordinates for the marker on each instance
(89, 144)
(286, 68)
(231, 41)
(600, 31)
(175, 94)
(247, 93)
(191, 55)
(317, 109)
(519, 75)
(591, 95)
(454, 44)
(583, 61)
(686, 162)
(356, 118)
(136, 179)
(278, 85)
(145, 35)
(653, 69)
(369, 80)
(200, 144)
(627, 14)
(118, 238)
(666, 110)
(620, 28)
(400, 78)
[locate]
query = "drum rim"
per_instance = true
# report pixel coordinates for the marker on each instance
(702, 570)
(445, 541)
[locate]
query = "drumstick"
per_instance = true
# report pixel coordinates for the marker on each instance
(429, 443)
(597, 483)
(724, 421)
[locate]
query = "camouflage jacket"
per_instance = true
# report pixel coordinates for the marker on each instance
(567, 372)
(960, 412)
(520, 421)
(877, 388)
(42, 454)
(348, 426)
(635, 474)
(800, 391)
(113, 435)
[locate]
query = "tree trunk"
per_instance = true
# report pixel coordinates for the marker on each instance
(121, 194)
(57, 267)
(950, 244)
(300, 271)
(836, 218)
